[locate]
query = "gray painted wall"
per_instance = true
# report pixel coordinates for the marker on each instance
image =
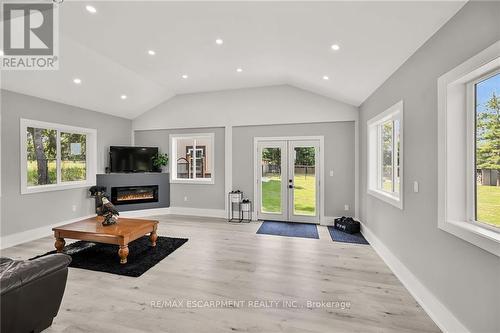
(339, 157)
(29, 211)
(462, 276)
(208, 196)
(245, 107)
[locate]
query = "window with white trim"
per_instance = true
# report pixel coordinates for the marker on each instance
(468, 150)
(56, 157)
(385, 150)
(484, 154)
(192, 158)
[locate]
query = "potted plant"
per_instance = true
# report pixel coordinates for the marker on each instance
(160, 160)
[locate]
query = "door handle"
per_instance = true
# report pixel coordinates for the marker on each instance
(291, 186)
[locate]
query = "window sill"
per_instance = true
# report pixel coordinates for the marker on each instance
(396, 202)
(484, 238)
(55, 187)
(192, 181)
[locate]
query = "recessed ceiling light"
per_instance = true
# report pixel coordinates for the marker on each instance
(219, 41)
(335, 47)
(91, 9)
(184, 76)
(77, 80)
(123, 96)
(326, 78)
(239, 70)
(151, 52)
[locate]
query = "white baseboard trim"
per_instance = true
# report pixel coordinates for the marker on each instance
(443, 317)
(329, 220)
(218, 213)
(202, 212)
(145, 212)
(32, 234)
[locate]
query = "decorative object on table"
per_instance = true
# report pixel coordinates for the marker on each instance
(98, 192)
(108, 210)
(234, 200)
(160, 160)
(347, 224)
(246, 208)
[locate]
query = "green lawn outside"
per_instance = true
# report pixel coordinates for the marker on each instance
(488, 204)
(271, 195)
(387, 185)
(33, 173)
(305, 195)
(70, 171)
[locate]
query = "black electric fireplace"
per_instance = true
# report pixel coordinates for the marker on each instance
(125, 195)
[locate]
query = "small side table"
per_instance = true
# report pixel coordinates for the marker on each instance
(234, 199)
(246, 208)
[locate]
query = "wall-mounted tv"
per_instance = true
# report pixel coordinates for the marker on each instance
(132, 159)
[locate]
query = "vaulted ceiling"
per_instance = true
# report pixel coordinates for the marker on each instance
(271, 42)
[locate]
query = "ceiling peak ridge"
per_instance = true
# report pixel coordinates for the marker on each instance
(286, 84)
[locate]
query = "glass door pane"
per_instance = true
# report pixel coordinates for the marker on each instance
(304, 181)
(271, 180)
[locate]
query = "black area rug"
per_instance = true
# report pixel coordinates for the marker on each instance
(104, 257)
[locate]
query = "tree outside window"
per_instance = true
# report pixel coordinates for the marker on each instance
(41, 156)
(487, 155)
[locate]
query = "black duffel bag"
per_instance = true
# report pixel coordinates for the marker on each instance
(347, 224)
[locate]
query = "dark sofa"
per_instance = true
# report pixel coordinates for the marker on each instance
(31, 292)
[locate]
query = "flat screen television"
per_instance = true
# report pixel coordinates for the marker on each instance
(132, 159)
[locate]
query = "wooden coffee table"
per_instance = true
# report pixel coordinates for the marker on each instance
(121, 233)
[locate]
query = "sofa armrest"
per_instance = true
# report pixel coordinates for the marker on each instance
(18, 273)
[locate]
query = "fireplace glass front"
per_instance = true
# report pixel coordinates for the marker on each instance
(125, 195)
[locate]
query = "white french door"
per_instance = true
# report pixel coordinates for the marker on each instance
(287, 179)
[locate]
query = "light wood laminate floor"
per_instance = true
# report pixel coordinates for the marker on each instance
(222, 261)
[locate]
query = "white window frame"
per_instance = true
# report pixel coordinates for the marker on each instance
(91, 156)
(374, 157)
(173, 153)
(456, 152)
(471, 150)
